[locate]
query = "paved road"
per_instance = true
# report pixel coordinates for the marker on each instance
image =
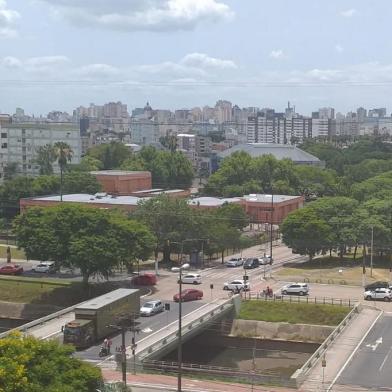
(148, 325)
(370, 367)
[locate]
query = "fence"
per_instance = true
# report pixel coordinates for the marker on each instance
(301, 299)
(300, 374)
(251, 376)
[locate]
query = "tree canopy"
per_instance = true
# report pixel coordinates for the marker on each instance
(93, 240)
(111, 155)
(31, 365)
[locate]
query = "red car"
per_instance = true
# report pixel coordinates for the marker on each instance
(11, 269)
(188, 295)
(145, 280)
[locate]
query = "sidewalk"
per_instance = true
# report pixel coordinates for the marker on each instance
(169, 383)
(339, 352)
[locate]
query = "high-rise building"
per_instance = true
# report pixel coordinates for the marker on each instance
(223, 111)
(19, 144)
(361, 114)
(378, 112)
(327, 113)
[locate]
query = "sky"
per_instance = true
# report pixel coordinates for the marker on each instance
(60, 54)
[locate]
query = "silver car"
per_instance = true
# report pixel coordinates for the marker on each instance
(151, 307)
(296, 288)
(235, 262)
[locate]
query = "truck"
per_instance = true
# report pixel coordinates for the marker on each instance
(97, 318)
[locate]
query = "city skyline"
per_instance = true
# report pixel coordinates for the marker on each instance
(178, 53)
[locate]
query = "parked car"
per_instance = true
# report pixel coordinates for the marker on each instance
(190, 278)
(11, 269)
(266, 260)
(151, 307)
(235, 262)
(188, 295)
(377, 285)
(295, 288)
(382, 293)
(236, 284)
(252, 262)
(145, 280)
(45, 267)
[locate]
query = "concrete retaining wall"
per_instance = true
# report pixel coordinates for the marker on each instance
(281, 331)
(16, 310)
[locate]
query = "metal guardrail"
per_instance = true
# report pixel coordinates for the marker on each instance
(186, 328)
(300, 374)
(225, 372)
(40, 321)
(301, 299)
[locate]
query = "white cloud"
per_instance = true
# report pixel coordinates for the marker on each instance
(348, 13)
(11, 62)
(339, 48)
(201, 60)
(277, 54)
(97, 71)
(8, 19)
(132, 15)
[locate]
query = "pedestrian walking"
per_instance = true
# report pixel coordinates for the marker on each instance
(109, 344)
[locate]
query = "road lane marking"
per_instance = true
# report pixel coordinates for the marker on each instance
(376, 344)
(353, 353)
(385, 359)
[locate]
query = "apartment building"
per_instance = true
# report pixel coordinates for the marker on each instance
(19, 144)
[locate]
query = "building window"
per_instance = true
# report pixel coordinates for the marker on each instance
(3, 145)
(3, 134)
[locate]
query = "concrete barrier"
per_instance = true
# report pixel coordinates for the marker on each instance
(281, 331)
(300, 374)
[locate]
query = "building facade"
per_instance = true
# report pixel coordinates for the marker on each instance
(19, 144)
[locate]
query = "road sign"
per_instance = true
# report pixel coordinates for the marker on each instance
(324, 363)
(211, 286)
(246, 277)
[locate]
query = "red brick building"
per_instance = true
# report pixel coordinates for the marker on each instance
(118, 182)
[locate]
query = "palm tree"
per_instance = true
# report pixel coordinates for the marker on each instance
(63, 154)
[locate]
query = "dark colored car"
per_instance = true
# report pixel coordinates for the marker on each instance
(145, 280)
(188, 295)
(11, 269)
(252, 262)
(377, 285)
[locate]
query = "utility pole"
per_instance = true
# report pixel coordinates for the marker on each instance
(272, 223)
(371, 253)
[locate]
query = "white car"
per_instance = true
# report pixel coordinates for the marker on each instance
(191, 278)
(45, 267)
(380, 293)
(295, 288)
(266, 260)
(235, 262)
(237, 284)
(151, 307)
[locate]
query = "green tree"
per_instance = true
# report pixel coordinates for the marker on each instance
(111, 155)
(45, 157)
(31, 365)
(93, 240)
(63, 154)
(10, 170)
(171, 220)
(375, 187)
(232, 215)
(305, 232)
(81, 182)
(87, 164)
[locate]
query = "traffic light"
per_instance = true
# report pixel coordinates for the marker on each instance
(167, 306)
(211, 286)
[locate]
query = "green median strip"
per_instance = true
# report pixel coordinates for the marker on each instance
(21, 279)
(293, 313)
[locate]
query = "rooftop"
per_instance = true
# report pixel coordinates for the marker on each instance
(106, 299)
(212, 201)
(96, 199)
(119, 173)
(53, 126)
(279, 151)
(263, 198)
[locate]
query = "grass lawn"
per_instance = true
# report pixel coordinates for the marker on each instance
(326, 270)
(14, 291)
(15, 253)
(293, 313)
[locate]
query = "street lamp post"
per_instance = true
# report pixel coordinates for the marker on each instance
(179, 348)
(272, 223)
